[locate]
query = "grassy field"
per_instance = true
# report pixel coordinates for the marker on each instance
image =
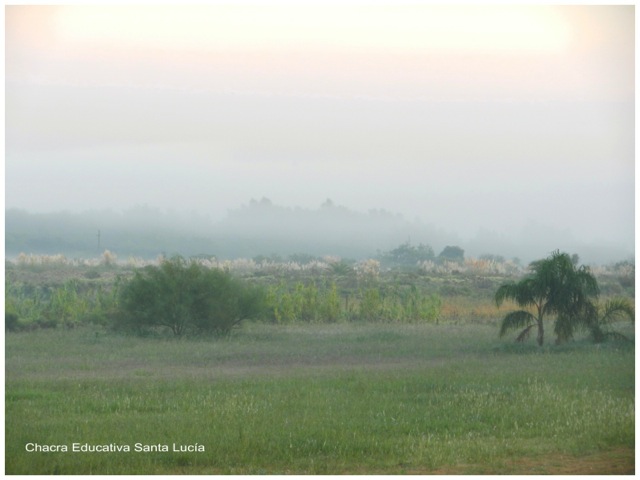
(319, 399)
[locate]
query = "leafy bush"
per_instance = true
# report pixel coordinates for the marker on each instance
(186, 297)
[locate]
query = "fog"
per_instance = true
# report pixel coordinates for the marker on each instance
(530, 145)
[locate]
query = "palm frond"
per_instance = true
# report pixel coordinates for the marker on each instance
(613, 310)
(616, 309)
(517, 319)
(524, 334)
(523, 292)
(505, 292)
(588, 281)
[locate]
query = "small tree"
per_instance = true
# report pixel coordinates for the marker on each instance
(451, 253)
(555, 286)
(186, 296)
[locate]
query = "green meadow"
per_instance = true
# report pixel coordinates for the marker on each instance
(344, 398)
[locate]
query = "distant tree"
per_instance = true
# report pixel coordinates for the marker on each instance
(186, 296)
(452, 253)
(557, 287)
(424, 252)
(264, 202)
(408, 255)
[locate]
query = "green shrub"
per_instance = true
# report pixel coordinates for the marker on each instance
(451, 253)
(185, 296)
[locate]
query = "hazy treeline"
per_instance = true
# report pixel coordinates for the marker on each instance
(259, 228)
(262, 228)
(140, 231)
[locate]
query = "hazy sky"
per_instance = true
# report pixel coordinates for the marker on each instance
(497, 117)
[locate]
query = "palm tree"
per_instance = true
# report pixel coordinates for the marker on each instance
(555, 286)
(571, 296)
(526, 293)
(612, 310)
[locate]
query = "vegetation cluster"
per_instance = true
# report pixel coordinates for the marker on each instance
(185, 296)
(204, 295)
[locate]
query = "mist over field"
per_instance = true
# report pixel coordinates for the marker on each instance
(506, 131)
(261, 228)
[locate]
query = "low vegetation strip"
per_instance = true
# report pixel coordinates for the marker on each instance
(264, 407)
(46, 292)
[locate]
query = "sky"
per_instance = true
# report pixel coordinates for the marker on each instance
(500, 119)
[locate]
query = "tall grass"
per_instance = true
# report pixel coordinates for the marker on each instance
(313, 399)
